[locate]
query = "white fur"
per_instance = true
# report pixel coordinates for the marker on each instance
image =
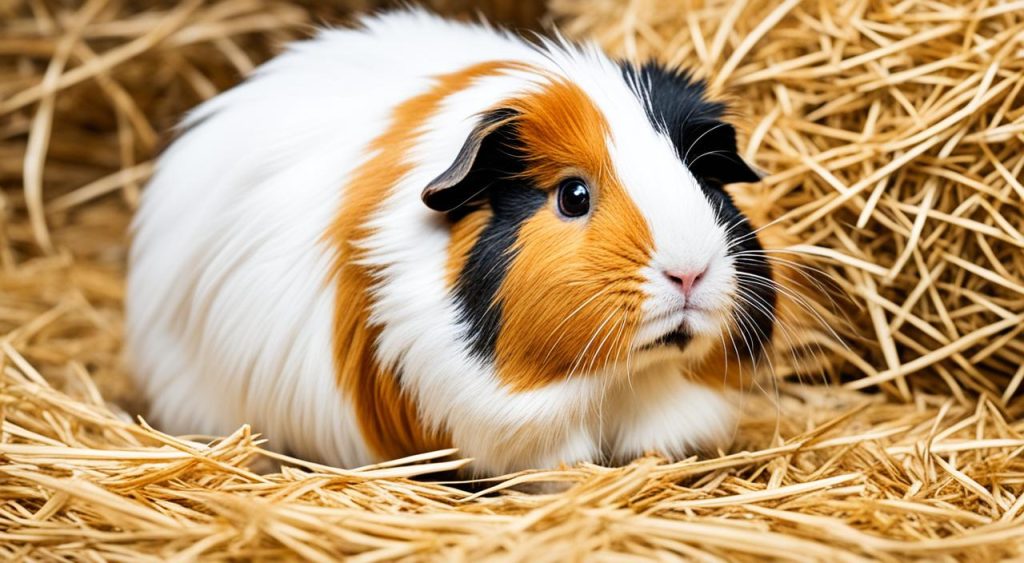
(229, 306)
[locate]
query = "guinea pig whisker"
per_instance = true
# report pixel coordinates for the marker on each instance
(753, 376)
(725, 357)
(733, 225)
(794, 343)
(764, 282)
(791, 339)
(753, 232)
(622, 292)
(619, 282)
(770, 283)
(802, 268)
(787, 332)
(629, 366)
(728, 155)
(613, 345)
(758, 303)
(798, 299)
(599, 404)
(747, 338)
(755, 369)
(722, 332)
(625, 347)
(805, 273)
(742, 378)
(686, 155)
(578, 358)
(756, 333)
(773, 373)
(772, 252)
(741, 317)
(575, 312)
(736, 350)
(597, 352)
(582, 354)
(819, 284)
(615, 315)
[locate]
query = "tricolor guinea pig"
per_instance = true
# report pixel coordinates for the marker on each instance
(420, 234)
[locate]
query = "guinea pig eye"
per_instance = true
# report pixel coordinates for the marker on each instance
(573, 198)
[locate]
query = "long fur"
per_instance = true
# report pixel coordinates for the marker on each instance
(285, 271)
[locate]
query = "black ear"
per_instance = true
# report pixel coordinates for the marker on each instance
(677, 104)
(709, 151)
(489, 150)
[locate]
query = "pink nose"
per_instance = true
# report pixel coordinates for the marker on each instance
(685, 280)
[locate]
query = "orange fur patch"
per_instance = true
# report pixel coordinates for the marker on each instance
(387, 416)
(571, 300)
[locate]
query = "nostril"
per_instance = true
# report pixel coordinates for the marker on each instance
(686, 280)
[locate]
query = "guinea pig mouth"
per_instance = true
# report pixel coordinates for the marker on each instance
(679, 338)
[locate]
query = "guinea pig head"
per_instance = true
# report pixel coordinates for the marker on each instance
(591, 233)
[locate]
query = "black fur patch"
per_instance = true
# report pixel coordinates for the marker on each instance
(678, 107)
(707, 145)
(512, 201)
(489, 260)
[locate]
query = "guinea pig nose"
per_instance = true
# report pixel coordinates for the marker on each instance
(686, 280)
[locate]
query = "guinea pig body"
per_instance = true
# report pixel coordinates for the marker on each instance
(422, 234)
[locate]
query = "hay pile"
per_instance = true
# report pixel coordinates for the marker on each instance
(878, 480)
(87, 92)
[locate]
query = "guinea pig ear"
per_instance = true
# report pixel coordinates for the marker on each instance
(712, 153)
(677, 103)
(459, 185)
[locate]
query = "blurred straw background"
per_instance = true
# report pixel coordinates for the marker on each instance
(893, 137)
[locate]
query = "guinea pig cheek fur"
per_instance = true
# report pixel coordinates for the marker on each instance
(573, 297)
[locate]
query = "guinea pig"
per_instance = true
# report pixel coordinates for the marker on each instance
(418, 234)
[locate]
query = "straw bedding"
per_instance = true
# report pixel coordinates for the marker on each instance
(892, 136)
